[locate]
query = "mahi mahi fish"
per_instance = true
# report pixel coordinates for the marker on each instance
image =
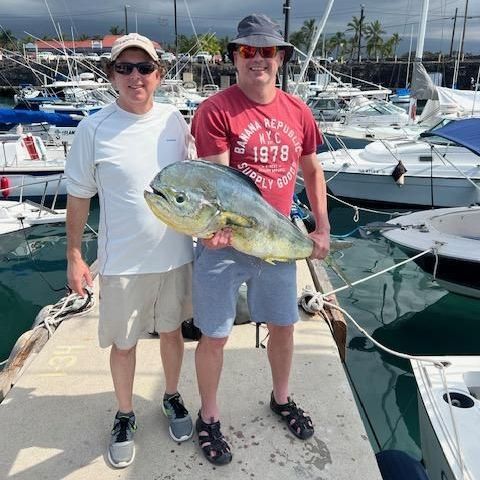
(199, 198)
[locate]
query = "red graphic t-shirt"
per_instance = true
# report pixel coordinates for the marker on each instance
(265, 141)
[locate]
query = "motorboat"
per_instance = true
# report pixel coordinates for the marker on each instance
(29, 169)
(449, 415)
(453, 234)
(442, 169)
(16, 217)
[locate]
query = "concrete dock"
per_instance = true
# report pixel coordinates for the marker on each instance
(57, 418)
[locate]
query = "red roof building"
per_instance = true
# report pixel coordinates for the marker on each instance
(90, 45)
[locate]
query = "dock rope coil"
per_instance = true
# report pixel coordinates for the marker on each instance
(72, 304)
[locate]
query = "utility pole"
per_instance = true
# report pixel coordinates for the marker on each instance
(360, 32)
(176, 36)
(463, 30)
(286, 12)
(126, 19)
(453, 33)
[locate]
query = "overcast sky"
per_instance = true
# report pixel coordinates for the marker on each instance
(156, 18)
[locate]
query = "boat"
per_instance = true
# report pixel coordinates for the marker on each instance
(449, 415)
(453, 234)
(441, 169)
(30, 169)
(16, 217)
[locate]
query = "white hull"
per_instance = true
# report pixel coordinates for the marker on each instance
(443, 455)
(455, 235)
(435, 176)
(416, 191)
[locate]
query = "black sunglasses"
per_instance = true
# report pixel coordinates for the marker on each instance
(143, 68)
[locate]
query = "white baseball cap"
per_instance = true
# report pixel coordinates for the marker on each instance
(133, 40)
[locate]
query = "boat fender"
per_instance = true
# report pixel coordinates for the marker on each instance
(399, 172)
(398, 465)
(5, 186)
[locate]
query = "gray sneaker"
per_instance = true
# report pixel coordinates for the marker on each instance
(121, 450)
(180, 423)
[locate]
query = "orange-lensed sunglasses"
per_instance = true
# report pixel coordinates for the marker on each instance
(247, 51)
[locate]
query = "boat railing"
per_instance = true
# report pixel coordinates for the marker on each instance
(58, 179)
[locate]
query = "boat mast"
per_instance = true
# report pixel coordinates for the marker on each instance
(412, 110)
(286, 12)
(313, 43)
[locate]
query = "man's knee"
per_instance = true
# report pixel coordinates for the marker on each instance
(123, 352)
(212, 343)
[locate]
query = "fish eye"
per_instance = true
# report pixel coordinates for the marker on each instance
(180, 198)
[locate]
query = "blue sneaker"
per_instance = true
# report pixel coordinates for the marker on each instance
(180, 423)
(121, 450)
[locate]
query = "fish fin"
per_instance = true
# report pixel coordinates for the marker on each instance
(230, 218)
(271, 261)
(332, 263)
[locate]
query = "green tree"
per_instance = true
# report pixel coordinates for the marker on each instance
(83, 36)
(354, 26)
(302, 38)
(8, 40)
(395, 40)
(116, 30)
(374, 32)
(337, 43)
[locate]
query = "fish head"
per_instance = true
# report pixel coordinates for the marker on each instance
(182, 207)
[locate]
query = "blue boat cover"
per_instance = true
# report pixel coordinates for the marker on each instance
(464, 132)
(14, 116)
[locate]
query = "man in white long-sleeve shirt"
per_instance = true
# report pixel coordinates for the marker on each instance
(144, 267)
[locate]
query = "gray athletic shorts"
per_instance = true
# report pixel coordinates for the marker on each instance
(131, 305)
(217, 276)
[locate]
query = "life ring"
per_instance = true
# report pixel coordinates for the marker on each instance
(5, 186)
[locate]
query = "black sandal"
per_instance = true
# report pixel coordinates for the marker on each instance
(211, 441)
(298, 422)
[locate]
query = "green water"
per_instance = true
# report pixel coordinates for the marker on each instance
(33, 275)
(403, 309)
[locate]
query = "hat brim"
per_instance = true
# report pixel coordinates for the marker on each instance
(261, 41)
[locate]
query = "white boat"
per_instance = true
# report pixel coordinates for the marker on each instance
(16, 217)
(442, 171)
(30, 169)
(449, 429)
(454, 233)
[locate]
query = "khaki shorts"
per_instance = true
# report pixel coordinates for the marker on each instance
(131, 305)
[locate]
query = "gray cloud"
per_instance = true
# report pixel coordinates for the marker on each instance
(156, 19)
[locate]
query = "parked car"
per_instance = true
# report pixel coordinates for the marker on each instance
(184, 57)
(202, 56)
(46, 56)
(168, 57)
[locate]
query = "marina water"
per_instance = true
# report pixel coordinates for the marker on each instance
(403, 309)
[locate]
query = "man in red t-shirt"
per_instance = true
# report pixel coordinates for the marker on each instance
(266, 134)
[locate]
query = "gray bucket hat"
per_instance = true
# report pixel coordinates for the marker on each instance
(258, 30)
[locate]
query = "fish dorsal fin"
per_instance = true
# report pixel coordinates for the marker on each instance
(247, 181)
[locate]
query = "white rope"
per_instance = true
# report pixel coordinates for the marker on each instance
(356, 208)
(71, 304)
(357, 282)
(440, 365)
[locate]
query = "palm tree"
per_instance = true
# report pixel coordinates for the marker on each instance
(354, 26)
(337, 43)
(8, 40)
(395, 39)
(116, 30)
(374, 32)
(302, 38)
